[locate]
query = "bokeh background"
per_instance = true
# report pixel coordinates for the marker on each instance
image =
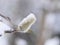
(18, 9)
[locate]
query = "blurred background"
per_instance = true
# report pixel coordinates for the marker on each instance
(47, 13)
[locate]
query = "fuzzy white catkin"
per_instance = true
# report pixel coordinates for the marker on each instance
(26, 23)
